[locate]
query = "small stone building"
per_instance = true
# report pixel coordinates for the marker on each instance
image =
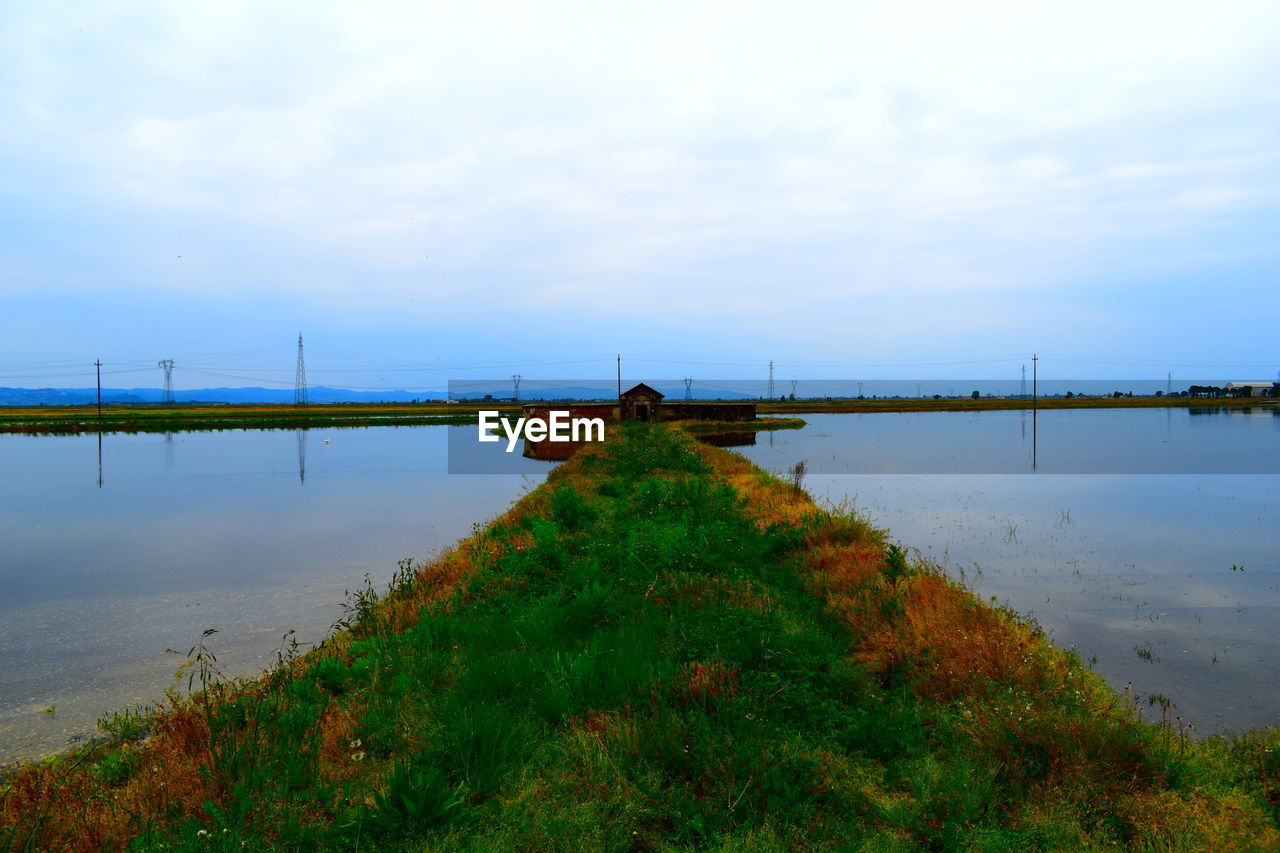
(640, 403)
(643, 403)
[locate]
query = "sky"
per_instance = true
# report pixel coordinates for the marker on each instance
(433, 192)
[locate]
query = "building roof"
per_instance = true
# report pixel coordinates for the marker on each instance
(1261, 383)
(643, 389)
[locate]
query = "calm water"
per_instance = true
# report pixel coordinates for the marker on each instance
(200, 530)
(1111, 563)
(254, 533)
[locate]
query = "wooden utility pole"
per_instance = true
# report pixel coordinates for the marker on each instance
(98, 364)
(619, 376)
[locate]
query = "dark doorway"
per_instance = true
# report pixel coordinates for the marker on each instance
(642, 411)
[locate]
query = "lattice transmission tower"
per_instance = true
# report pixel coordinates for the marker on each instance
(166, 364)
(688, 388)
(300, 378)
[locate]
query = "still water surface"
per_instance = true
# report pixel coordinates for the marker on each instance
(1168, 581)
(255, 533)
(251, 533)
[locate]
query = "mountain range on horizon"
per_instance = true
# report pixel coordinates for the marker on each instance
(145, 396)
(315, 394)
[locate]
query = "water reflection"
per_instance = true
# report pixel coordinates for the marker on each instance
(730, 439)
(1098, 441)
(1108, 563)
(302, 457)
(559, 451)
(96, 581)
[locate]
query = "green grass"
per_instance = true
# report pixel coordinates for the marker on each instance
(655, 652)
(73, 420)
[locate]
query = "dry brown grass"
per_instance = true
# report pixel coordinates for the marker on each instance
(76, 811)
(956, 650)
(995, 673)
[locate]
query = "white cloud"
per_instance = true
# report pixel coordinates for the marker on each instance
(923, 148)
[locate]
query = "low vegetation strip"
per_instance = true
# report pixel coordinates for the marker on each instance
(988, 404)
(72, 420)
(661, 648)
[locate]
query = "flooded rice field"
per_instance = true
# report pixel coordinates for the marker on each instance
(251, 533)
(1166, 581)
(1143, 538)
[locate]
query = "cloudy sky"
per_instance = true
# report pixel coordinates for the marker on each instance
(437, 192)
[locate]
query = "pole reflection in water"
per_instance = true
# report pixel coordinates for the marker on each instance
(168, 450)
(302, 457)
(99, 459)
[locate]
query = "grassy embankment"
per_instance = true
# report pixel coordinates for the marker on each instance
(660, 648)
(55, 420)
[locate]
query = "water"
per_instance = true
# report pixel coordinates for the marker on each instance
(254, 533)
(251, 533)
(1118, 565)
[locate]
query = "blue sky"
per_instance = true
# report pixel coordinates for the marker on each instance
(872, 190)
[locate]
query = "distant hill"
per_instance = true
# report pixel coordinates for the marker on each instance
(318, 394)
(88, 396)
(532, 391)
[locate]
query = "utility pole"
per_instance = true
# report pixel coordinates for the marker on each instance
(1022, 386)
(515, 380)
(1035, 389)
(770, 380)
(859, 390)
(793, 389)
(1168, 386)
(98, 364)
(619, 376)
